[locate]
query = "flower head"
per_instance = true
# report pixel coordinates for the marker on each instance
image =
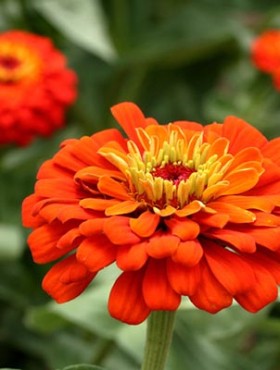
(182, 209)
(35, 87)
(266, 54)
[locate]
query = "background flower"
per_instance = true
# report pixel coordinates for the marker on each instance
(266, 54)
(35, 87)
(181, 209)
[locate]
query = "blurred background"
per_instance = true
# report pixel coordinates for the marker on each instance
(177, 59)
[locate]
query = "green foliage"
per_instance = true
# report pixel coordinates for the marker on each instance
(177, 59)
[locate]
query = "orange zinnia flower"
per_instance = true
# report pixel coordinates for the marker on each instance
(266, 54)
(35, 87)
(182, 209)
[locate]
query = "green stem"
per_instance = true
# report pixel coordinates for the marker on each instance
(159, 335)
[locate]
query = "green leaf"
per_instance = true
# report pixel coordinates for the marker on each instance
(88, 311)
(83, 22)
(83, 367)
(11, 243)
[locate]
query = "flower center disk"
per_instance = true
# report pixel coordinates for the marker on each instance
(173, 172)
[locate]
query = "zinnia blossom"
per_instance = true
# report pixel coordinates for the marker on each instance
(266, 54)
(182, 209)
(35, 87)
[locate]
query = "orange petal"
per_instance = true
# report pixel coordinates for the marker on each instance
(118, 231)
(266, 219)
(270, 261)
(184, 280)
(92, 174)
(70, 239)
(188, 253)
(28, 218)
(262, 293)
(87, 147)
(43, 243)
(190, 209)
(189, 125)
(218, 220)
(67, 279)
(96, 253)
(272, 150)
(238, 239)
(129, 116)
(63, 212)
(115, 189)
(145, 225)
(240, 181)
(122, 208)
(157, 291)
(218, 147)
(58, 188)
(210, 295)
(162, 245)
(247, 155)
(98, 204)
(267, 237)
(130, 258)
(165, 212)
(49, 169)
(230, 270)
(269, 182)
(262, 203)
(92, 227)
(126, 301)
(185, 229)
(241, 134)
(236, 214)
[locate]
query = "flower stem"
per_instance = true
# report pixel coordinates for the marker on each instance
(159, 335)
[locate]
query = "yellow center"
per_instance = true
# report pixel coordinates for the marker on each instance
(178, 166)
(205, 168)
(17, 62)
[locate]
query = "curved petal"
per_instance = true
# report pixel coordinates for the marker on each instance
(188, 253)
(43, 243)
(184, 280)
(92, 227)
(230, 270)
(185, 229)
(115, 189)
(162, 245)
(264, 291)
(28, 218)
(272, 150)
(118, 231)
(67, 279)
(241, 134)
(130, 117)
(210, 295)
(126, 301)
(157, 291)
(131, 258)
(238, 239)
(96, 253)
(236, 214)
(145, 225)
(122, 208)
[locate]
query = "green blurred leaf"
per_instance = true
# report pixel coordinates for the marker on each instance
(88, 311)
(11, 243)
(83, 367)
(83, 22)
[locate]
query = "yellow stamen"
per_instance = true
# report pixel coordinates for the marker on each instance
(173, 171)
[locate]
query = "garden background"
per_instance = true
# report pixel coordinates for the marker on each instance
(177, 59)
